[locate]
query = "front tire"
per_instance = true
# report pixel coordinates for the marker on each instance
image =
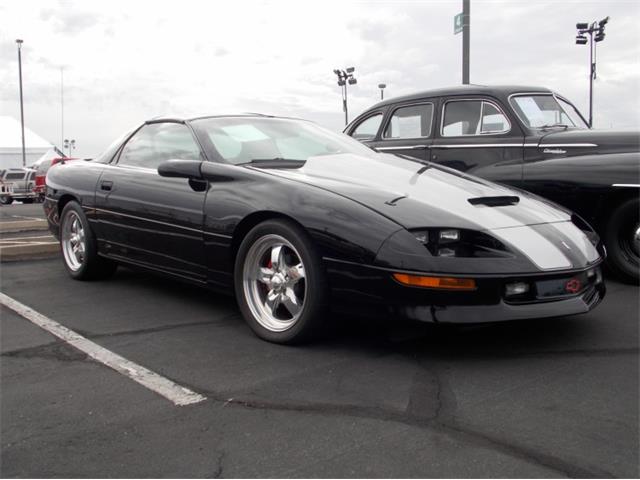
(279, 283)
(622, 238)
(79, 246)
(6, 200)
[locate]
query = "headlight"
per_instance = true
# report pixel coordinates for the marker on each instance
(452, 242)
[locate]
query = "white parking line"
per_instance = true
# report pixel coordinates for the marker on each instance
(171, 391)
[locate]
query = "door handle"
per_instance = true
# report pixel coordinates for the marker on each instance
(106, 185)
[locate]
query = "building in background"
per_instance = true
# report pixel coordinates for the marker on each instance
(36, 147)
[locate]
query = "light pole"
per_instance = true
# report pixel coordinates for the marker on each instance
(596, 28)
(466, 27)
(382, 86)
(24, 153)
(69, 145)
(345, 77)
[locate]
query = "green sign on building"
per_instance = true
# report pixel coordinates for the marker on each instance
(457, 24)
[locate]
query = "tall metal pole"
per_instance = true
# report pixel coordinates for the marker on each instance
(592, 73)
(24, 153)
(62, 107)
(344, 100)
(466, 24)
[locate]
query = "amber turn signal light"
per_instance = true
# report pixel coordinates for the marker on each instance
(444, 283)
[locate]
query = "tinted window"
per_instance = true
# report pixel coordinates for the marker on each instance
(410, 122)
(473, 117)
(155, 143)
(14, 176)
(368, 128)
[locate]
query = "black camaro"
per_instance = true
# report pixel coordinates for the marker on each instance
(296, 219)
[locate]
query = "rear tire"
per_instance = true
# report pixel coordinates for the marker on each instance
(622, 238)
(79, 246)
(6, 200)
(280, 283)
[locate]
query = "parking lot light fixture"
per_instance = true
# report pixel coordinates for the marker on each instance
(595, 32)
(382, 86)
(345, 77)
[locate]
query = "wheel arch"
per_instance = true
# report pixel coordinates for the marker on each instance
(247, 223)
(63, 200)
(610, 201)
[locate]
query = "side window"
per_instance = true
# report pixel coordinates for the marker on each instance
(473, 117)
(367, 129)
(155, 143)
(410, 122)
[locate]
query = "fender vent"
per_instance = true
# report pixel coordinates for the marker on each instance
(494, 201)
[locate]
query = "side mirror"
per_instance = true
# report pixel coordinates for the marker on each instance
(191, 169)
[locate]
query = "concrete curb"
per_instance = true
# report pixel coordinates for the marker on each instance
(23, 252)
(23, 226)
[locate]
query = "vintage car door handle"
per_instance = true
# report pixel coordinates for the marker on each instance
(106, 185)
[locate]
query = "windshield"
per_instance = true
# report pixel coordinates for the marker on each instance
(245, 139)
(546, 110)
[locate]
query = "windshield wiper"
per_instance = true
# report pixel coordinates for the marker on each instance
(561, 125)
(277, 162)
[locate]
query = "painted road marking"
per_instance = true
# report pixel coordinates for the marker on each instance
(171, 391)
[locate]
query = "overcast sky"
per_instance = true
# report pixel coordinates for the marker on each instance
(127, 61)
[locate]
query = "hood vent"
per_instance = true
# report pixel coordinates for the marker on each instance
(494, 201)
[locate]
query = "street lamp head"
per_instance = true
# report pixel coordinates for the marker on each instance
(382, 85)
(603, 22)
(341, 83)
(19, 41)
(580, 40)
(352, 81)
(582, 26)
(351, 70)
(336, 71)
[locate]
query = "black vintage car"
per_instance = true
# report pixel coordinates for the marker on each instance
(295, 218)
(525, 137)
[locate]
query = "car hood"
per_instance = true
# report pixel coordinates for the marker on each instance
(600, 141)
(418, 195)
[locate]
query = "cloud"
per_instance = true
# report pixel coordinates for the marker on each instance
(127, 61)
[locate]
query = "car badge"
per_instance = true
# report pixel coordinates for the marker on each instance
(573, 285)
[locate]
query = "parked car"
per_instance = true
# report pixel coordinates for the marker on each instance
(295, 218)
(17, 184)
(41, 168)
(525, 137)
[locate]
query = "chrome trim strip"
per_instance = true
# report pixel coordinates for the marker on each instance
(159, 222)
(478, 145)
(402, 147)
(477, 99)
(389, 117)
(630, 185)
(565, 145)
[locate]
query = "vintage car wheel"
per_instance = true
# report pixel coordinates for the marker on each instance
(79, 248)
(6, 200)
(622, 238)
(279, 282)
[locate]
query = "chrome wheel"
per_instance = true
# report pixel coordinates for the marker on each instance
(635, 240)
(274, 282)
(73, 240)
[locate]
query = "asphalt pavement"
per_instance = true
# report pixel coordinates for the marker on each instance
(552, 398)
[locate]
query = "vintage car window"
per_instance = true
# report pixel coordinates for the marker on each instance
(367, 129)
(412, 121)
(244, 139)
(493, 120)
(571, 113)
(473, 117)
(544, 110)
(157, 142)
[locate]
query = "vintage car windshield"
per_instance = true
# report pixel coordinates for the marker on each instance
(245, 139)
(546, 110)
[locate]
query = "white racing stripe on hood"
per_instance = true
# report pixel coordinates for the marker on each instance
(535, 246)
(579, 239)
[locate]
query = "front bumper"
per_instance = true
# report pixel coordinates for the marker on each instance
(505, 311)
(370, 290)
